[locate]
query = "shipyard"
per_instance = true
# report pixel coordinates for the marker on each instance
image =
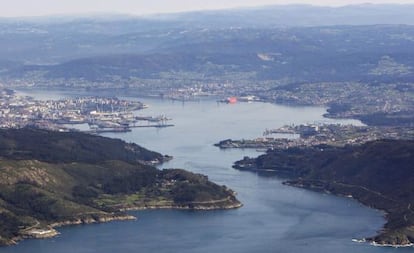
(91, 114)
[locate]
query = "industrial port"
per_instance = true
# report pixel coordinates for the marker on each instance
(94, 114)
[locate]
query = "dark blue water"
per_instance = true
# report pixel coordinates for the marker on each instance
(274, 218)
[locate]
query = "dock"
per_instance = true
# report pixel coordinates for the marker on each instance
(157, 126)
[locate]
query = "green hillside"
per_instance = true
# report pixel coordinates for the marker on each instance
(49, 179)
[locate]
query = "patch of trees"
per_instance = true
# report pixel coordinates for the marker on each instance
(27, 200)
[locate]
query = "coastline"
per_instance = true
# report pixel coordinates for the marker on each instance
(392, 245)
(49, 230)
(374, 241)
(197, 206)
(338, 171)
(102, 177)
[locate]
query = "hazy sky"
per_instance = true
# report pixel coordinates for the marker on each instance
(13, 8)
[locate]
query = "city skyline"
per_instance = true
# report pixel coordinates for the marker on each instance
(24, 8)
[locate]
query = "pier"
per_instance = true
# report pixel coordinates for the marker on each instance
(156, 125)
(101, 114)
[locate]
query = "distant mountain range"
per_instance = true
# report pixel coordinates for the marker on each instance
(264, 16)
(312, 54)
(299, 15)
(297, 42)
(47, 40)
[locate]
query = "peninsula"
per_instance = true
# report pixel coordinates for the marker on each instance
(49, 179)
(379, 174)
(320, 134)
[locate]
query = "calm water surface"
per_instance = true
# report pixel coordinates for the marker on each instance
(274, 218)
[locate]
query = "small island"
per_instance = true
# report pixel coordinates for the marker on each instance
(379, 174)
(50, 179)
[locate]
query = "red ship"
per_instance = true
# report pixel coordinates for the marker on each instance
(232, 100)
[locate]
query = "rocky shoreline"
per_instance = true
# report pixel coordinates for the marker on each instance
(49, 230)
(205, 206)
(91, 220)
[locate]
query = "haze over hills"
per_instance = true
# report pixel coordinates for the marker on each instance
(302, 54)
(298, 15)
(263, 16)
(55, 40)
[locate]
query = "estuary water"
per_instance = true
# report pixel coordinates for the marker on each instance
(274, 218)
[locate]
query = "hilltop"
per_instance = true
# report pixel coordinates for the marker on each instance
(49, 179)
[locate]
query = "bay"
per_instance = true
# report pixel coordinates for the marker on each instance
(274, 218)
